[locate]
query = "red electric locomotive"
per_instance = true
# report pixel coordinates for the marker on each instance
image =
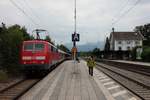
(40, 56)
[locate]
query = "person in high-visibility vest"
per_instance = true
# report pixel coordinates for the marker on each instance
(91, 64)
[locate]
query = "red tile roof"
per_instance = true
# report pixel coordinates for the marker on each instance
(127, 36)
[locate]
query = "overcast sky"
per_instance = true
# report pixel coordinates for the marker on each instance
(94, 17)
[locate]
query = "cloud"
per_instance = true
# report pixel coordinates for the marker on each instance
(94, 17)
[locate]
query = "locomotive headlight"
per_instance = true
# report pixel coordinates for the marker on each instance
(40, 58)
(42, 62)
(26, 58)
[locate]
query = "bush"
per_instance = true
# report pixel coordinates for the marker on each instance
(146, 54)
(133, 54)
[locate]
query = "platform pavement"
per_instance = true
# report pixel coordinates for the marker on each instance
(133, 62)
(69, 81)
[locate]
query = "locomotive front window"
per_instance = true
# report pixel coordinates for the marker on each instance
(39, 47)
(28, 47)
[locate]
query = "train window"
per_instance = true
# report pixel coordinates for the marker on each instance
(49, 47)
(52, 48)
(39, 47)
(28, 47)
(57, 50)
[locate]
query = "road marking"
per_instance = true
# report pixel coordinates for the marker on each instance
(102, 77)
(119, 93)
(98, 75)
(104, 90)
(113, 87)
(108, 83)
(133, 98)
(104, 80)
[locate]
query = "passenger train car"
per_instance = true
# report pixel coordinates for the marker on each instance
(40, 56)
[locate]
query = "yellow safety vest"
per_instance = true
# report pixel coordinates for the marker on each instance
(91, 63)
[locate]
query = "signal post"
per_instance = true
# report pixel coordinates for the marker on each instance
(75, 35)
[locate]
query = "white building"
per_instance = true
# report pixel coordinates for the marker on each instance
(125, 40)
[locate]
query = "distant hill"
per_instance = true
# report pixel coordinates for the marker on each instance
(88, 46)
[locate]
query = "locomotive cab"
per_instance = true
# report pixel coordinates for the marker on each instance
(40, 56)
(34, 56)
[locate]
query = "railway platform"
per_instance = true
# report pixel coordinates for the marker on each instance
(70, 81)
(133, 62)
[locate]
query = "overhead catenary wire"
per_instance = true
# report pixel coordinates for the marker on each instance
(31, 9)
(126, 12)
(27, 15)
(121, 16)
(19, 8)
(122, 8)
(34, 13)
(118, 13)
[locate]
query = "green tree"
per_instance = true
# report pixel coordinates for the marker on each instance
(146, 54)
(96, 52)
(107, 45)
(145, 31)
(85, 53)
(63, 48)
(48, 39)
(10, 43)
(26, 35)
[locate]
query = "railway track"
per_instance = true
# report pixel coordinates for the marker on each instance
(137, 83)
(15, 91)
(142, 69)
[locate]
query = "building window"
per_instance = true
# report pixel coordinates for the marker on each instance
(137, 42)
(119, 42)
(119, 48)
(128, 48)
(128, 42)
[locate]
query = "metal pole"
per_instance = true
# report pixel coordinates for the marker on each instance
(75, 22)
(75, 27)
(75, 19)
(38, 36)
(75, 16)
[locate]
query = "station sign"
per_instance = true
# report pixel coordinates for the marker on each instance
(75, 37)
